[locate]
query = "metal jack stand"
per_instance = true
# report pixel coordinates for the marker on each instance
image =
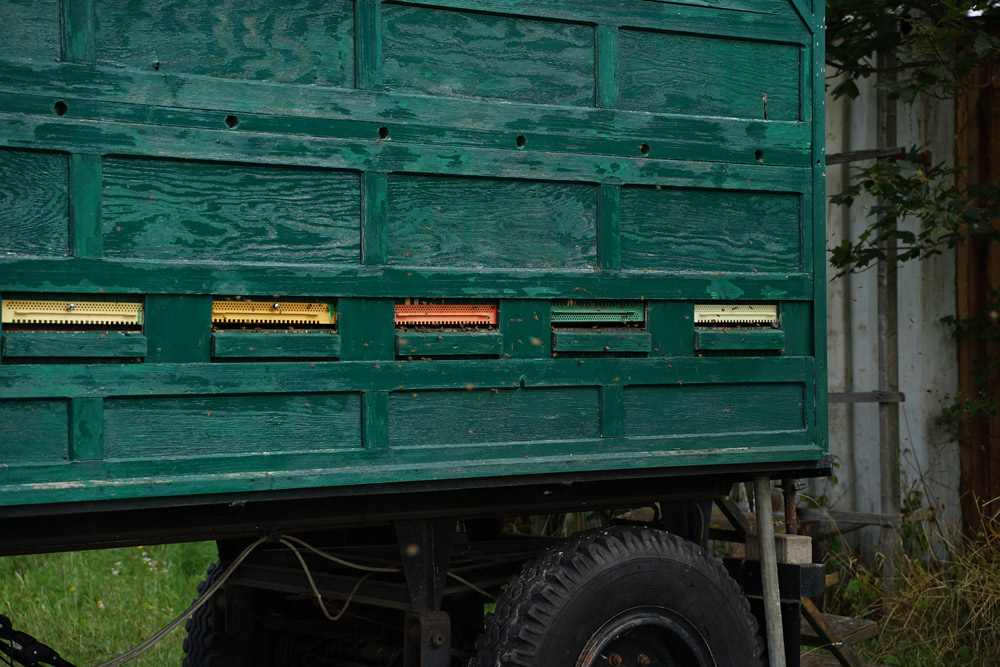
(425, 546)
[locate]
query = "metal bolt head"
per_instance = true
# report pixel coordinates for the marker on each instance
(276, 306)
(614, 659)
(437, 638)
(70, 306)
(644, 660)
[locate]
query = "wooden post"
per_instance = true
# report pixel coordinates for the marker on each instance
(888, 335)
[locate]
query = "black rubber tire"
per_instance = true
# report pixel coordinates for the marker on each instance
(203, 646)
(561, 599)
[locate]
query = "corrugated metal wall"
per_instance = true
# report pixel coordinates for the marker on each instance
(927, 353)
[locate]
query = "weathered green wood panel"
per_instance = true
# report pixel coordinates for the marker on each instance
(34, 431)
(708, 76)
(150, 428)
(671, 410)
(510, 151)
(466, 54)
(34, 203)
(264, 344)
(736, 339)
(288, 109)
(309, 42)
(30, 30)
(710, 230)
(86, 432)
(447, 343)
(421, 419)
(178, 328)
(437, 221)
(587, 340)
(73, 344)
(156, 209)
(162, 379)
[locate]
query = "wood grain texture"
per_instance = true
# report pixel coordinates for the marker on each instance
(121, 95)
(368, 43)
(300, 41)
(612, 411)
(34, 203)
(73, 344)
(710, 230)
(736, 339)
(447, 343)
(30, 29)
(34, 431)
(421, 419)
(86, 433)
(170, 428)
(447, 207)
(79, 39)
(296, 150)
(673, 410)
(525, 327)
(464, 54)
(86, 236)
(696, 15)
(265, 344)
(671, 73)
(174, 379)
(178, 328)
(181, 211)
(438, 221)
(595, 340)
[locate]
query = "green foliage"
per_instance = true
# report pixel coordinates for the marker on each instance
(945, 215)
(93, 605)
(966, 407)
(939, 47)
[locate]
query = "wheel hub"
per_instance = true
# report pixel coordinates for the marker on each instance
(646, 637)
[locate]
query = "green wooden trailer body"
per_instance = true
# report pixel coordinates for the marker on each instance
(548, 158)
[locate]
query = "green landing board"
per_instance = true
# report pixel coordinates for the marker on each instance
(523, 154)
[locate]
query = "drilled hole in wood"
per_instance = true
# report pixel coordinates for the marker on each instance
(520, 141)
(383, 132)
(758, 155)
(644, 149)
(60, 108)
(232, 121)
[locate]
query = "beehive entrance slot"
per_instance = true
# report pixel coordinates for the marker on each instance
(598, 314)
(70, 315)
(281, 315)
(736, 316)
(414, 313)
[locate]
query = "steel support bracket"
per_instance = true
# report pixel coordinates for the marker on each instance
(425, 546)
(428, 639)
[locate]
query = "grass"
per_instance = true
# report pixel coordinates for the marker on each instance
(91, 606)
(939, 612)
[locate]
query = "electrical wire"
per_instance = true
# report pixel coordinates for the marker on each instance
(134, 653)
(289, 542)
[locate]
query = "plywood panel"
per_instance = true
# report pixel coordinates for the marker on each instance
(161, 209)
(431, 418)
(172, 427)
(710, 230)
(297, 41)
(464, 54)
(696, 409)
(34, 203)
(709, 76)
(30, 29)
(442, 221)
(34, 431)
